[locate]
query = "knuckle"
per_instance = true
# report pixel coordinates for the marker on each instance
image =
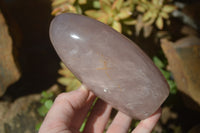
(62, 97)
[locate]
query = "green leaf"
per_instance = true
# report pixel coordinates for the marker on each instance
(65, 72)
(166, 74)
(59, 2)
(78, 9)
(159, 23)
(71, 1)
(44, 94)
(146, 5)
(140, 8)
(62, 65)
(64, 81)
(87, 116)
(128, 31)
(99, 15)
(38, 125)
(117, 4)
(117, 26)
(168, 8)
(108, 2)
(164, 15)
(172, 85)
(81, 2)
(158, 62)
(96, 4)
(75, 84)
(128, 3)
(67, 8)
(42, 101)
(47, 94)
(48, 104)
(110, 20)
(144, 1)
(94, 13)
(103, 19)
(155, 2)
(124, 13)
(105, 6)
(147, 16)
(136, 123)
(83, 125)
(42, 111)
(150, 21)
(129, 21)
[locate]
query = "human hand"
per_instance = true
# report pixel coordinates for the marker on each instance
(70, 109)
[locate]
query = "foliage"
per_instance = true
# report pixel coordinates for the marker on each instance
(62, 6)
(153, 12)
(88, 114)
(68, 79)
(168, 76)
(38, 125)
(144, 15)
(46, 102)
(112, 12)
(119, 14)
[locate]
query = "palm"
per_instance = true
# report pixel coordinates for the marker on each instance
(70, 109)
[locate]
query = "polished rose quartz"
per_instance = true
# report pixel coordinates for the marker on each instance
(109, 64)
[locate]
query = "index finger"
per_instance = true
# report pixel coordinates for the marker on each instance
(62, 112)
(147, 125)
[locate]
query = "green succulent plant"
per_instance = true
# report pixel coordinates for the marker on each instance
(46, 102)
(120, 13)
(62, 6)
(68, 79)
(112, 12)
(152, 12)
(162, 67)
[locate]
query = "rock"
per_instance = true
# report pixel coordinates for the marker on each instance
(20, 116)
(109, 64)
(8, 70)
(184, 62)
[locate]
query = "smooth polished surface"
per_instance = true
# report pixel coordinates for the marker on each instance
(109, 64)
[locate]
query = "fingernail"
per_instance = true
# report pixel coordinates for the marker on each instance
(83, 87)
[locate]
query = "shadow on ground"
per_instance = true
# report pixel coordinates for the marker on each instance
(29, 23)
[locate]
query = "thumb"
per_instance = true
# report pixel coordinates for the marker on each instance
(63, 109)
(75, 99)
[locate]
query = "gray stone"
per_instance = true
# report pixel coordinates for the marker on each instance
(20, 116)
(8, 70)
(184, 62)
(109, 64)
